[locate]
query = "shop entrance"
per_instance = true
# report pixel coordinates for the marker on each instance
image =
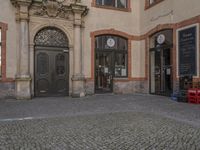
(161, 82)
(111, 61)
(162, 77)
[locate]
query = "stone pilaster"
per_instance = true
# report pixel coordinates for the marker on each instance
(78, 79)
(23, 78)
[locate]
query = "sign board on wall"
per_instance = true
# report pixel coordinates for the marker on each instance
(187, 51)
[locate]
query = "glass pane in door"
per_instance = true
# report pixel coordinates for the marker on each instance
(157, 71)
(167, 75)
(104, 72)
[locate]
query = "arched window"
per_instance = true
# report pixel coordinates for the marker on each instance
(118, 46)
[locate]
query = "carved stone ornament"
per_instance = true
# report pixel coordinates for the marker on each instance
(56, 8)
(52, 8)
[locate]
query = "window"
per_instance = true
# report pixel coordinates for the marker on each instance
(118, 46)
(150, 3)
(3, 29)
(121, 60)
(0, 52)
(112, 3)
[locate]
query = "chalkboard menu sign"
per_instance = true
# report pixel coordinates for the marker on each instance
(187, 44)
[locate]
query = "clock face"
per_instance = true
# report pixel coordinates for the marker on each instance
(161, 39)
(111, 42)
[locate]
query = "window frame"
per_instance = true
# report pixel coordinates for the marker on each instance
(0, 52)
(127, 9)
(4, 28)
(149, 5)
(115, 51)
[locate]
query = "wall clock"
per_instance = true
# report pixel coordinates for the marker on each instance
(161, 39)
(111, 42)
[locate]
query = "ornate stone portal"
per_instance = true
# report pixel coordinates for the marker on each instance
(50, 10)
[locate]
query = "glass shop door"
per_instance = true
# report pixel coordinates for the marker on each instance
(161, 72)
(104, 72)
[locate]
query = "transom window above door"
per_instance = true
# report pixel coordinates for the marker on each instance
(112, 3)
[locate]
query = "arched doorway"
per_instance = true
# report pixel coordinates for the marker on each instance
(51, 63)
(161, 63)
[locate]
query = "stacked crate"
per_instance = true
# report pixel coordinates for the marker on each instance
(192, 95)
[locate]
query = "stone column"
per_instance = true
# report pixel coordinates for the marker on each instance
(78, 78)
(23, 78)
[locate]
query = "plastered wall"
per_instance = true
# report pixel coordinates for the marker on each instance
(138, 59)
(168, 11)
(101, 19)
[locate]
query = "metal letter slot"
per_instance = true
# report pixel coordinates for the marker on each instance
(65, 51)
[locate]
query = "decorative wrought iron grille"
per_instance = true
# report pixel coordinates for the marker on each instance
(51, 37)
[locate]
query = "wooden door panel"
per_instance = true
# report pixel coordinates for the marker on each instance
(42, 73)
(61, 73)
(51, 73)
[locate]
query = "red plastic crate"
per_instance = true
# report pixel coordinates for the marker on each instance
(192, 95)
(198, 96)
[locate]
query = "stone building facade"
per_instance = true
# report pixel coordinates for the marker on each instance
(83, 47)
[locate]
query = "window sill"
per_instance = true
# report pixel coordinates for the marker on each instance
(148, 6)
(121, 79)
(112, 8)
(6, 80)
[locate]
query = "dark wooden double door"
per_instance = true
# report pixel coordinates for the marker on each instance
(51, 72)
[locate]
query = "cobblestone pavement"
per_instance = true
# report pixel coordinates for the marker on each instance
(101, 122)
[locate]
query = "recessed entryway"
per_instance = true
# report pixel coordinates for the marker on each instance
(161, 72)
(111, 61)
(51, 63)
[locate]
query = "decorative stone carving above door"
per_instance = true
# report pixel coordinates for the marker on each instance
(53, 8)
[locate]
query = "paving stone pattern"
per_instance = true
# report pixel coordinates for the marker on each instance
(117, 131)
(148, 126)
